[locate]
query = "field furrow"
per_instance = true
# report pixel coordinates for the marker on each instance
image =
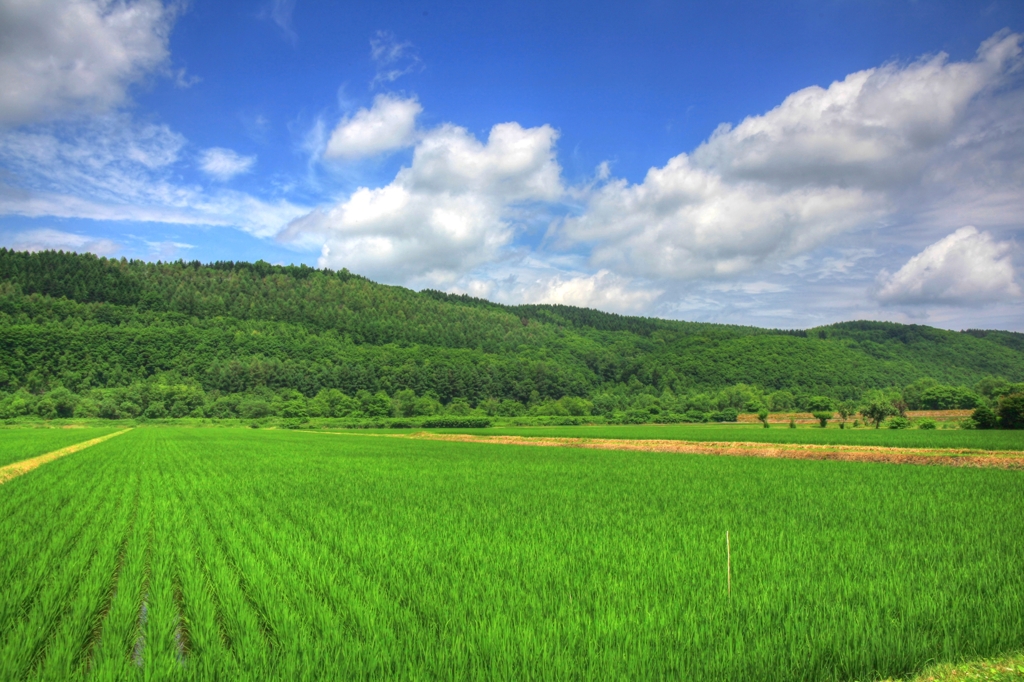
(110, 657)
(70, 644)
(55, 602)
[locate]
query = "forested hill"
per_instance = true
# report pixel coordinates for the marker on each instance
(84, 323)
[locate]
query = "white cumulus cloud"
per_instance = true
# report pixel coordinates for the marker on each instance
(684, 222)
(602, 290)
(966, 268)
(445, 213)
(389, 124)
(65, 56)
(871, 129)
(224, 164)
(557, 280)
(825, 162)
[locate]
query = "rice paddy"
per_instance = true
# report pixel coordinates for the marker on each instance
(208, 554)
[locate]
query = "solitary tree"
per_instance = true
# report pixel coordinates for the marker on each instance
(762, 416)
(822, 417)
(899, 407)
(845, 410)
(877, 411)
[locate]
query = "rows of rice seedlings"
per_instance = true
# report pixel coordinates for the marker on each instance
(64, 528)
(282, 555)
(904, 438)
(19, 444)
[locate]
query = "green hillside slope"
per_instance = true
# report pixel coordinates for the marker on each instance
(86, 323)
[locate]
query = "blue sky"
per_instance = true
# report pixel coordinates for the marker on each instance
(776, 164)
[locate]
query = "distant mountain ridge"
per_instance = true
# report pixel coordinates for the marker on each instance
(85, 322)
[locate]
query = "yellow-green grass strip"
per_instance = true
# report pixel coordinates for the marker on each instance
(999, 669)
(23, 467)
(17, 444)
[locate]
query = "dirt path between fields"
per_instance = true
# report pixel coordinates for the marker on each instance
(26, 465)
(844, 453)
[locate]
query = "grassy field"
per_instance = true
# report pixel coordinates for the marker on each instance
(905, 438)
(22, 443)
(206, 554)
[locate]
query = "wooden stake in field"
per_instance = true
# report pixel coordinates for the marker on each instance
(728, 566)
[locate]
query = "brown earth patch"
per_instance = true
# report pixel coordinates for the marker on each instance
(844, 453)
(808, 418)
(26, 465)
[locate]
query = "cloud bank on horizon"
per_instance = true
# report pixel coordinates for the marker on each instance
(894, 192)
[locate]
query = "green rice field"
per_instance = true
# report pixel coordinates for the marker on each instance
(18, 444)
(904, 438)
(244, 554)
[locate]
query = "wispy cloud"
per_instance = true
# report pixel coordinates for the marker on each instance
(111, 168)
(48, 239)
(280, 12)
(185, 80)
(166, 249)
(224, 164)
(392, 58)
(256, 127)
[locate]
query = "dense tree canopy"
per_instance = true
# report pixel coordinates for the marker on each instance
(182, 338)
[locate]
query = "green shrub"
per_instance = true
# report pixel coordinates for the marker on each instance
(898, 423)
(156, 410)
(636, 416)
(459, 407)
(571, 421)
(985, 417)
(46, 409)
(926, 424)
(1011, 411)
(510, 408)
(254, 408)
(457, 423)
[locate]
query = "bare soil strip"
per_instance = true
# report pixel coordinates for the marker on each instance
(26, 465)
(808, 418)
(844, 453)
